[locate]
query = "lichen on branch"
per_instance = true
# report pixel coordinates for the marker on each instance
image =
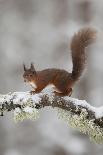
(77, 113)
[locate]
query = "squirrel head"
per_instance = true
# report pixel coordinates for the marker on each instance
(29, 74)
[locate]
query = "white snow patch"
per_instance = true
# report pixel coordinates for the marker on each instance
(17, 111)
(79, 102)
(36, 98)
(99, 112)
(1, 100)
(19, 96)
(82, 103)
(25, 96)
(28, 109)
(49, 89)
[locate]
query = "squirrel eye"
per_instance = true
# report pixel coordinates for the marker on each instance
(30, 75)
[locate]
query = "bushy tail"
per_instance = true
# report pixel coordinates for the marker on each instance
(80, 41)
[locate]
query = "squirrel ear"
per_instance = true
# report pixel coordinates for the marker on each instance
(24, 67)
(32, 67)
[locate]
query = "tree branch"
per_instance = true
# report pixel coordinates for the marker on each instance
(77, 113)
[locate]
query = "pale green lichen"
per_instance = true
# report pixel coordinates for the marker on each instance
(27, 111)
(20, 116)
(83, 124)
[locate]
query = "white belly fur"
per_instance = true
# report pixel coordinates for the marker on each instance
(33, 85)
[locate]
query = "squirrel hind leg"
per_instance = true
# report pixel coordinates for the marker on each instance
(66, 93)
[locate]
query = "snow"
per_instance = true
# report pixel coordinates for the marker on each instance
(49, 89)
(17, 110)
(99, 112)
(22, 97)
(82, 103)
(28, 109)
(36, 98)
(1, 100)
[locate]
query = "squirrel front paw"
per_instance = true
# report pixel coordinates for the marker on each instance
(32, 92)
(57, 93)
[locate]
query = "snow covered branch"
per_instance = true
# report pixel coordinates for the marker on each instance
(77, 113)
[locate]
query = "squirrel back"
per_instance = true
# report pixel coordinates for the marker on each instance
(79, 42)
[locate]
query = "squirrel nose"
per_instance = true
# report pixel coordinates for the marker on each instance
(24, 80)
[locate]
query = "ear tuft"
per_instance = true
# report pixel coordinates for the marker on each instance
(32, 67)
(24, 67)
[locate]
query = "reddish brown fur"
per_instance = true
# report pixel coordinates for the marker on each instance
(61, 79)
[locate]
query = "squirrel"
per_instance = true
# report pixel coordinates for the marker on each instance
(62, 80)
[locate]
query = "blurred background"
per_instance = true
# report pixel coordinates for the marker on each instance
(40, 31)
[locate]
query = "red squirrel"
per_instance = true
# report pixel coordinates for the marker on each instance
(62, 80)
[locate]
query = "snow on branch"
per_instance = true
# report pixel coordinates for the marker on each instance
(77, 113)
